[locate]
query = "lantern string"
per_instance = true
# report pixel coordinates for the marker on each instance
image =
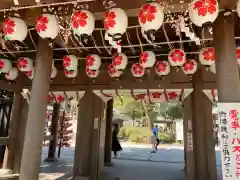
(104, 44)
(64, 44)
(95, 44)
(166, 37)
(33, 42)
(139, 40)
(73, 41)
(79, 40)
(129, 42)
(202, 34)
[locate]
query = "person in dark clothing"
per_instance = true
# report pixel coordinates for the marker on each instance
(115, 142)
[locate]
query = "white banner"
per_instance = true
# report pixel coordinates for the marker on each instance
(228, 116)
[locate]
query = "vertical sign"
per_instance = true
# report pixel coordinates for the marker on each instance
(228, 116)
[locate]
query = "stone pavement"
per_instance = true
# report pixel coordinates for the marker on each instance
(133, 163)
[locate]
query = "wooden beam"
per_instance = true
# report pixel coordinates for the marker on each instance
(4, 140)
(48, 138)
(8, 86)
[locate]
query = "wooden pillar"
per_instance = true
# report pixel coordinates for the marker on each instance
(203, 139)
(12, 131)
(228, 83)
(31, 159)
(82, 157)
(108, 135)
(188, 141)
(54, 132)
(20, 137)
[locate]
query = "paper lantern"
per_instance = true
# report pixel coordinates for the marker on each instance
(156, 96)
(93, 62)
(189, 67)
(5, 65)
(113, 72)
(47, 26)
(71, 74)
(54, 72)
(83, 23)
(12, 74)
(147, 59)
(176, 57)
(162, 68)
(120, 61)
(151, 17)
(213, 68)
(70, 62)
(14, 29)
(24, 64)
(207, 56)
(203, 11)
(137, 70)
(115, 23)
(238, 54)
(59, 98)
(30, 74)
(92, 73)
(173, 95)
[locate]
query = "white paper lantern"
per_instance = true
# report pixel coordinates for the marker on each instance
(47, 26)
(173, 96)
(24, 64)
(12, 74)
(203, 11)
(151, 16)
(30, 74)
(93, 62)
(120, 61)
(147, 59)
(70, 62)
(189, 67)
(137, 70)
(238, 54)
(14, 29)
(213, 68)
(207, 56)
(115, 22)
(113, 72)
(92, 73)
(83, 22)
(71, 73)
(176, 57)
(162, 68)
(5, 65)
(157, 96)
(54, 72)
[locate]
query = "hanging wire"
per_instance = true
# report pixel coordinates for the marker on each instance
(33, 42)
(95, 44)
(104, 44)
(73, 41)
(166, 37)
(129, 42)
(139, 40)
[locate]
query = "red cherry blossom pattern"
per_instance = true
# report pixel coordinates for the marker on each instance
(238, 53)
(90, 61)
(60, 99)
(109, 20)
(111, 69)
(143, 57)
(66, 61)
(209, 54)
(161, 67)
(68, 73)
(188, 65)
(2, 63)
(205, 6)
(147, 13)
(117, 60)
(41, 23)
(172, 95)
(90, 73)
(177, 55)
(137, 68)
(156, 95)
(22, 63)
(79, 19)
(29, 73)
(8, 26)
(140, 96)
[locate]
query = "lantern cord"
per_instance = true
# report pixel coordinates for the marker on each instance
(180, 38)
(202, 34)
(166, 37)
(129, 42)
(73, 41)
(80, 42)
(33, 42)
(5, 47)
(95, 44)
(104, 44)
(139, 40)
(60, 36)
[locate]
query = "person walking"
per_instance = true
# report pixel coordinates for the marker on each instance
(155, 133)
(115, 142)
